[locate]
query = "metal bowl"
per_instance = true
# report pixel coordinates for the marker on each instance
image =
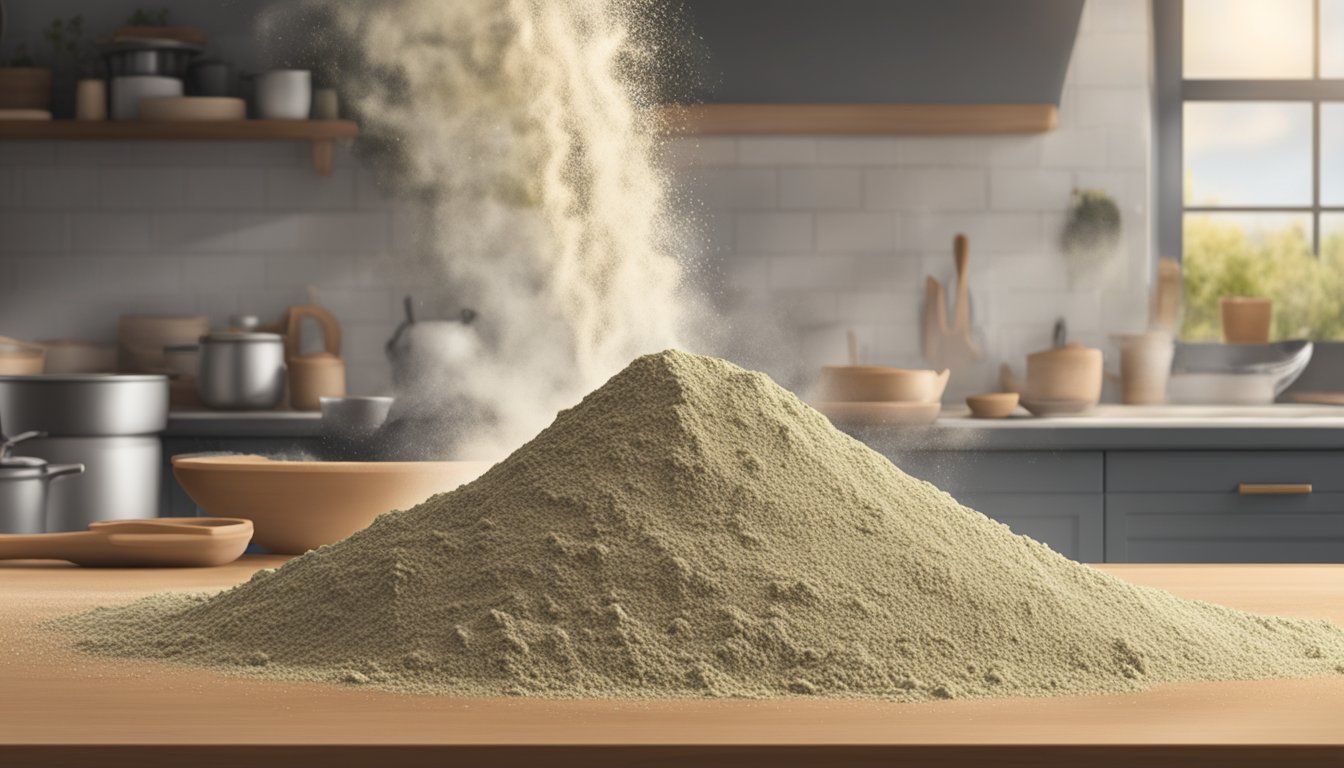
(85, 405)
(1277, 365)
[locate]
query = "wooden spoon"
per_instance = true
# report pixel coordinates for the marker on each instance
(165, 542)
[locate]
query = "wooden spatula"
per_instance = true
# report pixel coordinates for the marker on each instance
(165, 542)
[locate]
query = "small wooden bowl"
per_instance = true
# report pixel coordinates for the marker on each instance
(995, 405)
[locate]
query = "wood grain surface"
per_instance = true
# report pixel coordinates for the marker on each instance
(58, 707)
(876, 119)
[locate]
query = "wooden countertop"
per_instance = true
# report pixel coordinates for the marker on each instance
(61, 708)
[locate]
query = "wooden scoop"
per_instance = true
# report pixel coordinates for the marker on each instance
(165, 542)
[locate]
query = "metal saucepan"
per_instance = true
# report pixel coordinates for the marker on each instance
(23, 487)
(85, 405)
(242, 371)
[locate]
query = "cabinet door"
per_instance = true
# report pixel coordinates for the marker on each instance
(1053, 497)
(1188, 507)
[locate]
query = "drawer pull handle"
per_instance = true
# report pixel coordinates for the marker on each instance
(1274, 489)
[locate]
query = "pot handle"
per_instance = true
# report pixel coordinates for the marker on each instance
(55, 471)
(331, 328)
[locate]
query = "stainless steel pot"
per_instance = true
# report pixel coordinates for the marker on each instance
(242, 371)
(121, 481)
(167, 58)
(24, 483)
(24, 487)
(85, 405)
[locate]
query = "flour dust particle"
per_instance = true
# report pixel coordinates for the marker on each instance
(693, 529)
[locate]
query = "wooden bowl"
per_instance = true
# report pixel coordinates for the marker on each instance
(296, 506)
(994, 405)
(878, 384)
(192, 109)
(882, 414)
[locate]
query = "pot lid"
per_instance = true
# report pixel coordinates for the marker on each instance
(22, 468)
(242, 337)
(1073, 349)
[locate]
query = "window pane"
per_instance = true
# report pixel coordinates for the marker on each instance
(1332, 38)
(1247, 153)
(1332, 154)
(1332, 237)
(1256, 254)
(1246, 39)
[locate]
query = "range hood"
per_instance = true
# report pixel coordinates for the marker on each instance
(877, 66)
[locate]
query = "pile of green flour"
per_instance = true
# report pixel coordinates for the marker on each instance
(692, 529)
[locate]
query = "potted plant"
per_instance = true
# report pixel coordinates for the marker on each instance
(1091, 232)
(23, 85)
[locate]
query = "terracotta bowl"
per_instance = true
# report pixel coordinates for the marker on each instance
(995, 405)
(877, 384)
(296, 506)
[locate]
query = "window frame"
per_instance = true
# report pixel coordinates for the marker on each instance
(1171, 90)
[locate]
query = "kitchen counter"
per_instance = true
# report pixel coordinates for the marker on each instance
(61, 708)
(267, 424)
(1107, 427)
(1122, 427)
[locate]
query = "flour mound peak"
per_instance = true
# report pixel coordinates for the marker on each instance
(692, 529)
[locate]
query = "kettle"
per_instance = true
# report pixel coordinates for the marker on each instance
(422, 349)
(315, 375)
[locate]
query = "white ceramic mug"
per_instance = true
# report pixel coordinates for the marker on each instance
(284, 94)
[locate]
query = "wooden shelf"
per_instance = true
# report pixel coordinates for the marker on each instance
(859, 118)
(323, 134)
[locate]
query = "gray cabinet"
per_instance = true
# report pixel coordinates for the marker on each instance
(1185, 507)
(1053, 497)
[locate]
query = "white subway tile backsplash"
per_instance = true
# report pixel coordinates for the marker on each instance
(369, 194)
(1124, 108)
(110, 232)
(58, 188)
(858, 150)
(698, 150)
(802, 272)
(1074, 148)
(943, 189)
(146, 274)
(366, 231)
(8, 197)
(226, 188)
(24, 231)
(857, 231)
(152, 189)
(1111, 59)
(1035, 190)
(196, 232)
(1116, 16)
(309, 269)
(217, 273)
(820, 188)
(774, 232)
(987, 232)
(776, 150)
(799, 237)
(970, 151)
(299, 189)
(729, 189)
(1126, 148)
(895, 272)
(27, 153)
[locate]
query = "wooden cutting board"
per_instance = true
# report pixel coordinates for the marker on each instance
(61, 708)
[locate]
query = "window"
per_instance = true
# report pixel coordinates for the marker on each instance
(1250, 157)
